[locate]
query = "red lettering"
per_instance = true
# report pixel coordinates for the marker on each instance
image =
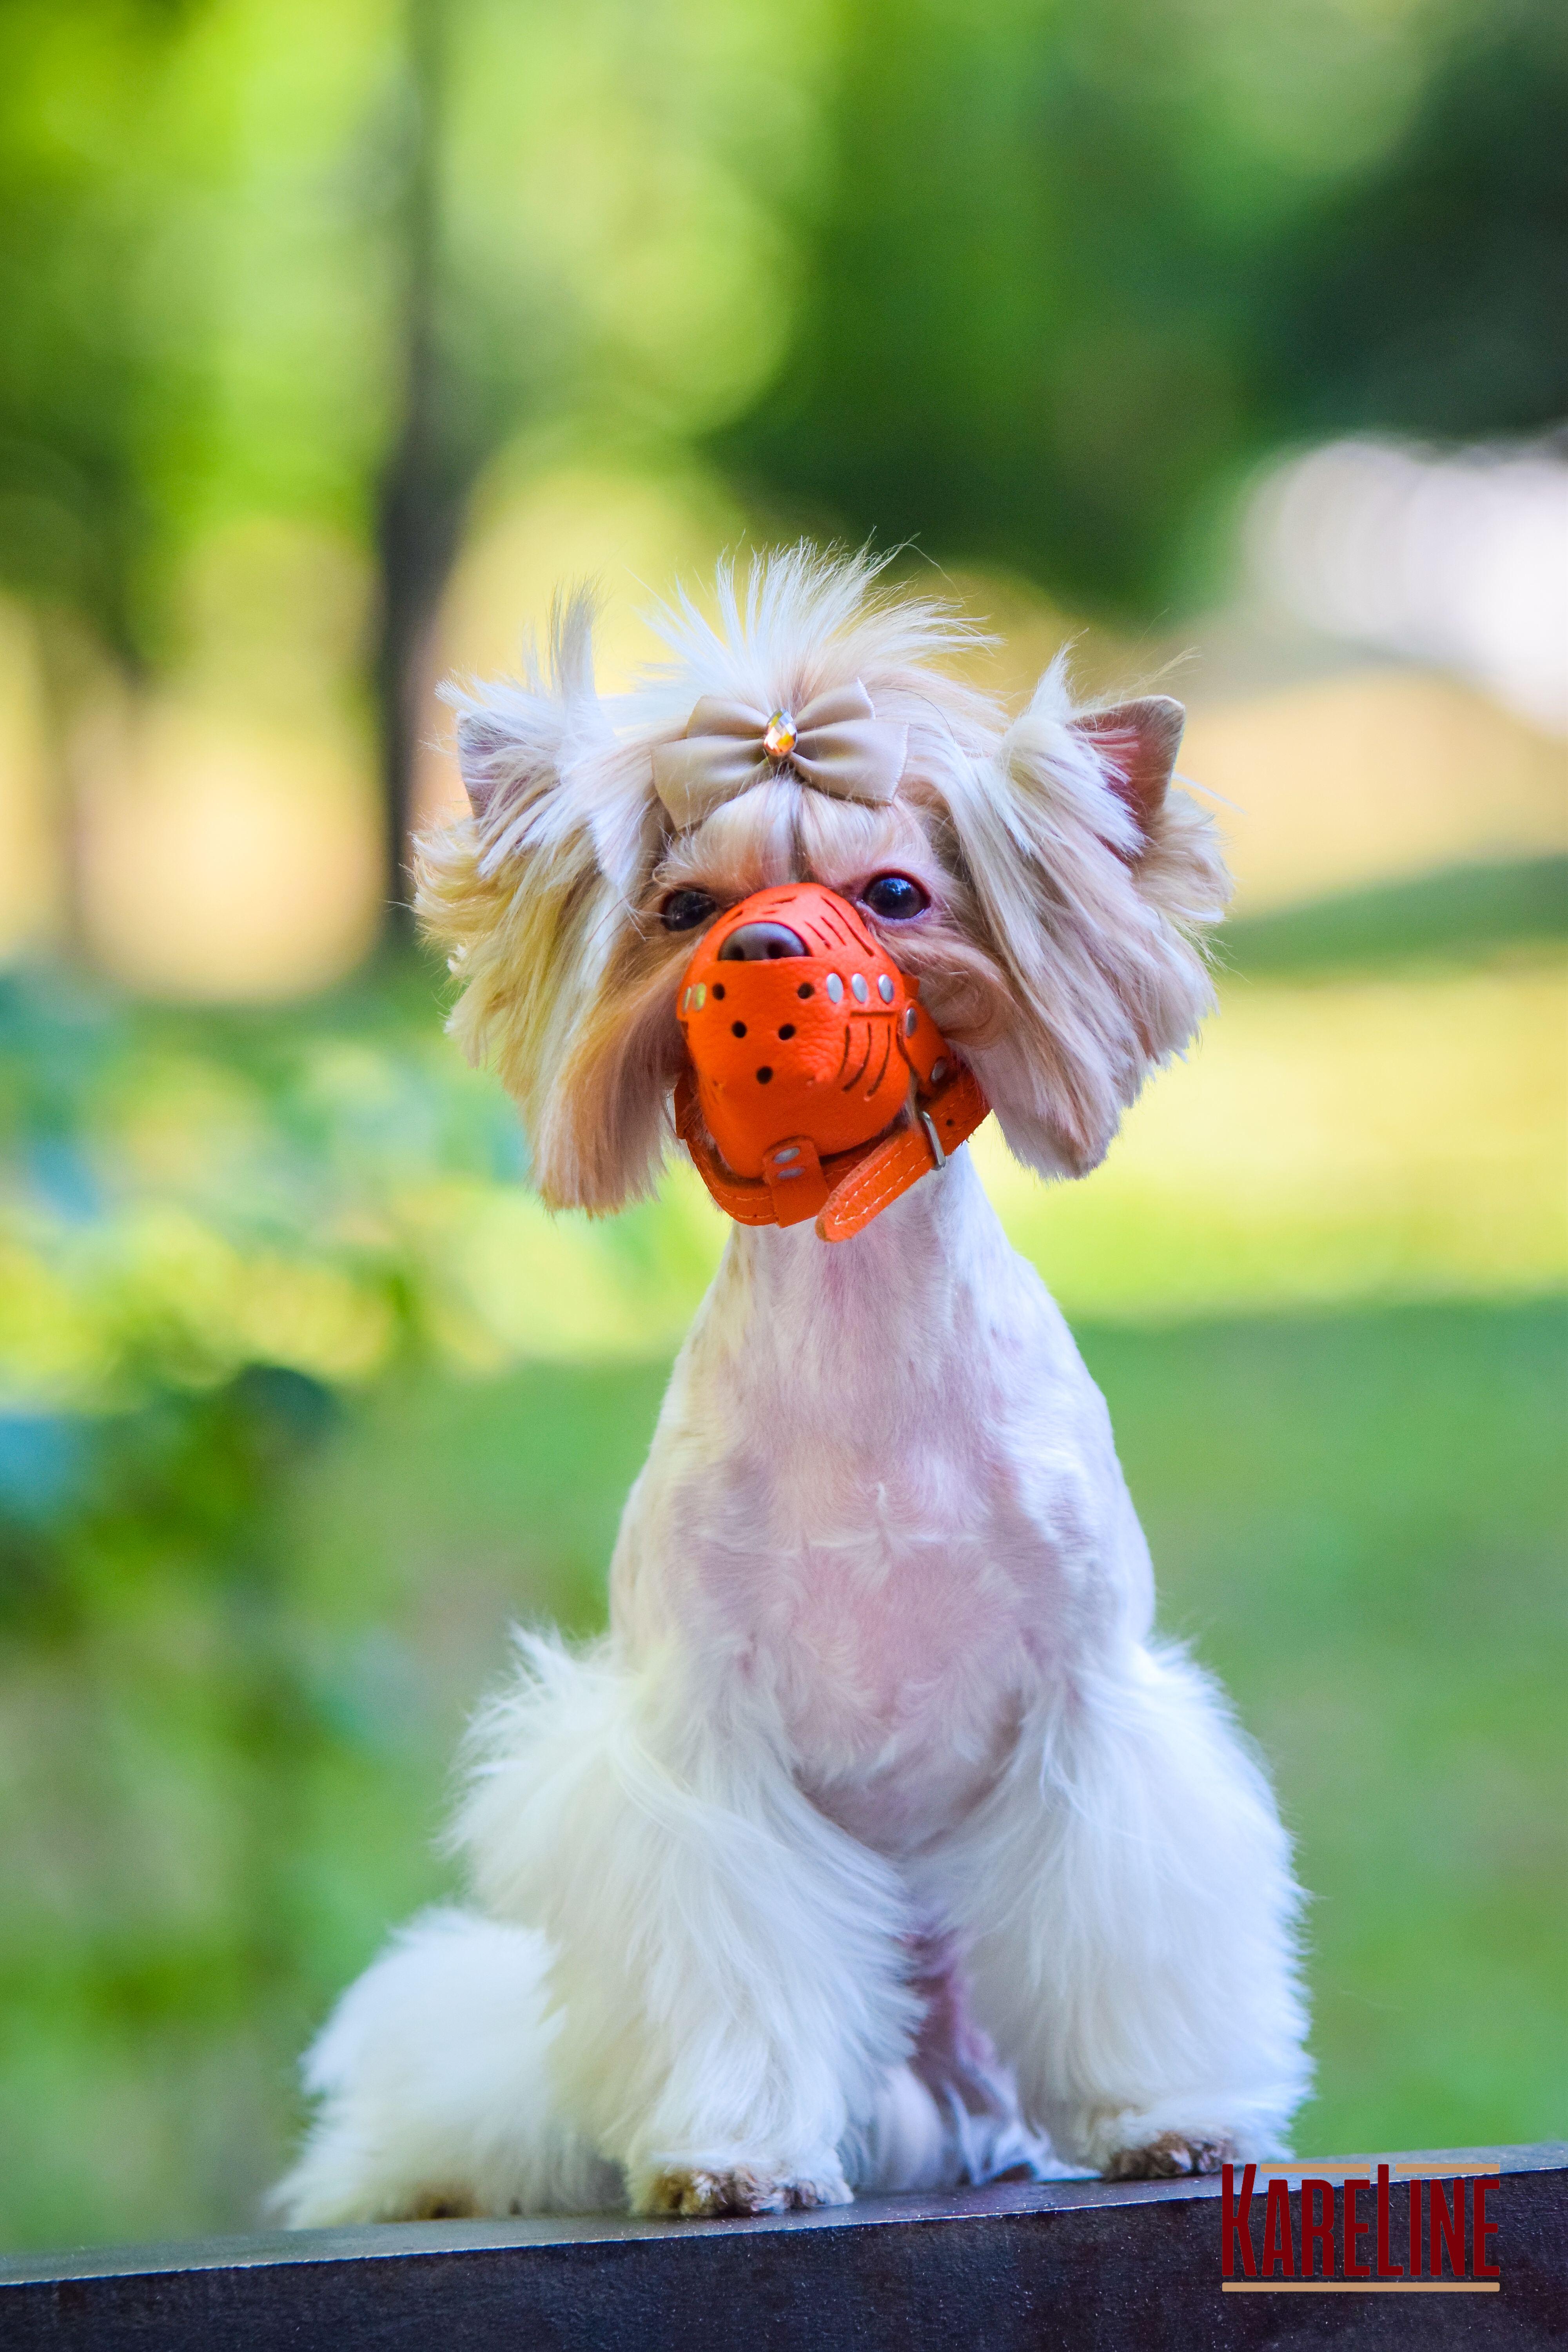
(1386, 2266)
(1482, 2265)
(1353, 2231)
(1278, 2257)
(1316, 2227)
(1415, 2229)
(1448, 2218)
(1235, 2229)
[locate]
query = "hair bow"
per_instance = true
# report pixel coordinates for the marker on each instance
(837, 743)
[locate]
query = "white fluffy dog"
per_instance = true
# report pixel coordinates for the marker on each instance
(879, 1844)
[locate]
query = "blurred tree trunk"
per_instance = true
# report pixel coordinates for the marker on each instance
(420, 499)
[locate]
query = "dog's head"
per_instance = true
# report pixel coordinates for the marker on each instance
(1039, 878)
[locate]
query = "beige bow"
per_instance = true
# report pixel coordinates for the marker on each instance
(837, 743)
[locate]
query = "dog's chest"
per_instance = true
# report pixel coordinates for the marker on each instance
(883, 1492)
(898, 1649)
(898, 1608)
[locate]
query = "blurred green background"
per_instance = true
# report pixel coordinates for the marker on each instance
(1228, 338)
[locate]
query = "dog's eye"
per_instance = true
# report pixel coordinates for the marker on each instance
(684, 909)
(893, 898)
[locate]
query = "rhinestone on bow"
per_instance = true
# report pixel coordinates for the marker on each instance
(780, 736)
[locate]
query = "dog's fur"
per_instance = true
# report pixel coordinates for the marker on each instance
(879, 1843)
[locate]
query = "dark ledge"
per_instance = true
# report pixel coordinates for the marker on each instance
(1055, 2268)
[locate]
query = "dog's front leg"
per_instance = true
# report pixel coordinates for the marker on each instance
(1127, 1904)
(728, 1966)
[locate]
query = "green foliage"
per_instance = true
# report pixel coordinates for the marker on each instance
(1028, 279)
(1019, 332)
(159, 1733)
(247, 239)
(1079, 265)
(190, 295)
(186, 1193)
(1430, 292)
(193, 1276)
(69, 357)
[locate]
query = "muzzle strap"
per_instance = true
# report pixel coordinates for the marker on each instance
(847, 1190)
(949, 1116)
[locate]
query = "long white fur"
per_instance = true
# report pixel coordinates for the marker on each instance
(880, 1678)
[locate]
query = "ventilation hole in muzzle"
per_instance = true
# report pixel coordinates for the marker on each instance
(788, 1029)
(737, 1028)
(763, 1074)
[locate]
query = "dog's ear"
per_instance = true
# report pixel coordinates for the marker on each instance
(1137, 744)
(1095, 882)
(531, 895)
(503, 748)
(516, 738)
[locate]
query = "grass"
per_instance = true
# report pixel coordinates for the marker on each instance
(1357, 1136)
(1451, 916)
(215, 1798)
(1358, 1520)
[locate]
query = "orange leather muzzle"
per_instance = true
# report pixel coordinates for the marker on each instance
(812, 1066)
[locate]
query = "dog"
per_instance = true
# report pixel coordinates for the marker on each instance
(880, 1845)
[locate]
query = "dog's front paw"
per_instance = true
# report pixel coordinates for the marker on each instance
(1172, 2157)
(699, 2194)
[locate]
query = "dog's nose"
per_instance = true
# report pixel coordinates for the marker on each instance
(762, 943)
